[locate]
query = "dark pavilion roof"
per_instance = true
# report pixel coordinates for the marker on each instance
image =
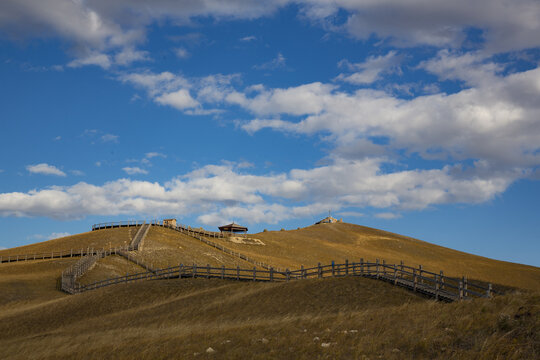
(233, 228)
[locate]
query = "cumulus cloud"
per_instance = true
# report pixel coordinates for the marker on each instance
(181, 53)
(387, 215)
(54, 235)
(370, 70)
(106, 33)
(45, 169)
(134, 170)
(495, 121)
(109, 138)
(278, 62)
(248, 38)
(180, 99)
(506, 26)
(219, 192)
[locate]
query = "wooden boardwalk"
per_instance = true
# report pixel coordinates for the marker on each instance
(426, 283)
(416, 279)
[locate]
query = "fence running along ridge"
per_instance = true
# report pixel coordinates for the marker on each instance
(416, 279)
(134, 245)
(180, 227)
(197, 235)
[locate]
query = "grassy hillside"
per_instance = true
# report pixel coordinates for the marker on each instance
(93, 239)
(332, 318)
(354, 318)
(165, 247)
(326, 242)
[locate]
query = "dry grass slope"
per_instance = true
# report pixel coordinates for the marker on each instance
(326, 242)
(355, 318)
(94, 239)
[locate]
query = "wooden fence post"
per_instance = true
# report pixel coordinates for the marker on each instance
(319, 271)
(288, 274)
(194, 272)
(302, 272)
(271, 274)
(361, 265)
(346, 267)
(442, 280)
(420, 269)
(254, 273)
(415, 280)
(460, 290)
(489, 290)
(333, 269)
(465, 286)
(436, 287)
(377, 267)
(395, 274)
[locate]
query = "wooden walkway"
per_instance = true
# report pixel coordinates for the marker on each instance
(427, 283)
(419, 280)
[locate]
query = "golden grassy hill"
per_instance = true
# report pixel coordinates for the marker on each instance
(101, 239)
(356, 318)
(326, 242)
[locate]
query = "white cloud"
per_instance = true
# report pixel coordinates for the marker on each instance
(181, 53)
(495, 121)
(153, 154)
(129, 55)
(248, 38)
(506, 25)
(217, 192)
(57, 138)
(180, 99)
(387, 215)
(45, 169)
(370, 70)
(351, 214)
(77, 172)
(54, 235)
(103, 32)
(109, 138)
(134, 170)
(101, 60)
(278, 62)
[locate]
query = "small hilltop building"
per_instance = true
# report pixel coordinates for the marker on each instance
(233, 229)
(329, 220)
(169, 222)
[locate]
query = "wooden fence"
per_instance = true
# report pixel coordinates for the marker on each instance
(50, 255)
(428, 283)
(119, 224)
(197, 235)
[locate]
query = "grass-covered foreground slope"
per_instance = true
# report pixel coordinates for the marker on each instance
(341, 318)
(326, 242)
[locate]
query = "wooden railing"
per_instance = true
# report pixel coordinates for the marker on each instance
(117, 224)
(49, 255)
(425, 282)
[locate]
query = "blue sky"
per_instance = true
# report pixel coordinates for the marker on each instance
(417, 117)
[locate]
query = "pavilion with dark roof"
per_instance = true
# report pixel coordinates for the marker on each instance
(233, 228)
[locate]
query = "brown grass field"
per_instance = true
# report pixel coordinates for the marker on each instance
(332, 318)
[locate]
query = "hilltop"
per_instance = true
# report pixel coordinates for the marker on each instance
(353, 317)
